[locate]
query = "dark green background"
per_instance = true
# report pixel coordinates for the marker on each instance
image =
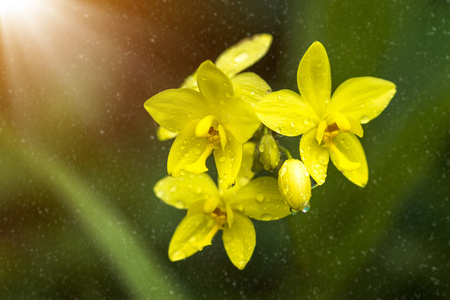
(79, 157)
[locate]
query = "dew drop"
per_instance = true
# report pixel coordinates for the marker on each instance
(173, 188)
(322, 158)
(180, 204)
(204, 78)
(293, 211)
(306, 209)
(262, 147)
(222, 158)
(160, 194)
(199, 190)
(186, 154)
(197, 151)
(260, 197)
(306, 120)
(283, 171)
(241, 264)
(178, 255)
(365, 119)
(292, 124)
(266, 217)
(241, 57)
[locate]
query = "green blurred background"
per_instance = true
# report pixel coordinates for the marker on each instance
(79, 156)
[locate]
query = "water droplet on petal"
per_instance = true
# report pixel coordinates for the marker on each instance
(292, 124)
(241, 57)
(178, 255)
(262, 147)
(260, 197)
(222, 158)
(306, 209)
(283, 170)
(322, 158)
(241, 264)
(365, 119)
(266, 217)
(179, 204)
(293, 211)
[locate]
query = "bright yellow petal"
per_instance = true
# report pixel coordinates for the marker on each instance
(356, 127)
(285, 112)
(362, 98)
(213, 84)
(238, 118)
(239, 240)
(203, 126)
(260, 200)
(314, 77)
(192, 230)
(175, 108)
(349, 145)
(250, 87)
(190, 82)
(164, 134)
(244, 54)
(245, 172)
(181, 192)
(210, 204)
(228, 161)
(186, 150)
(314, 157)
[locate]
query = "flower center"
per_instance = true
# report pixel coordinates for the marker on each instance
(330, 132)
(209, 128)
(220, 218)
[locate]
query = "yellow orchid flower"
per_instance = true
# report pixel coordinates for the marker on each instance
(211, 209)
(247, 86)
(211, 120)
(328, 124)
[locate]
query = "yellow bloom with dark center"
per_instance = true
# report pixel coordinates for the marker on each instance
(211, 209)
(247, 86)
(211, 120)
(328, 123)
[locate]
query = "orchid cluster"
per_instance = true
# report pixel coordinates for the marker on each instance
(236, 117)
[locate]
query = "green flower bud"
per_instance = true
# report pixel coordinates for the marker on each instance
(294, 185)
(269, 154)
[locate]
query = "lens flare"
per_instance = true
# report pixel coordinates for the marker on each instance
(13, 8)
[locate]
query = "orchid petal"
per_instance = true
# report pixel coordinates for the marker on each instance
(286, 113)
(239, 240)
(314, 77)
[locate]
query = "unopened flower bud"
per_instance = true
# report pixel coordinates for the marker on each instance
(294, 185)
(269, 154)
